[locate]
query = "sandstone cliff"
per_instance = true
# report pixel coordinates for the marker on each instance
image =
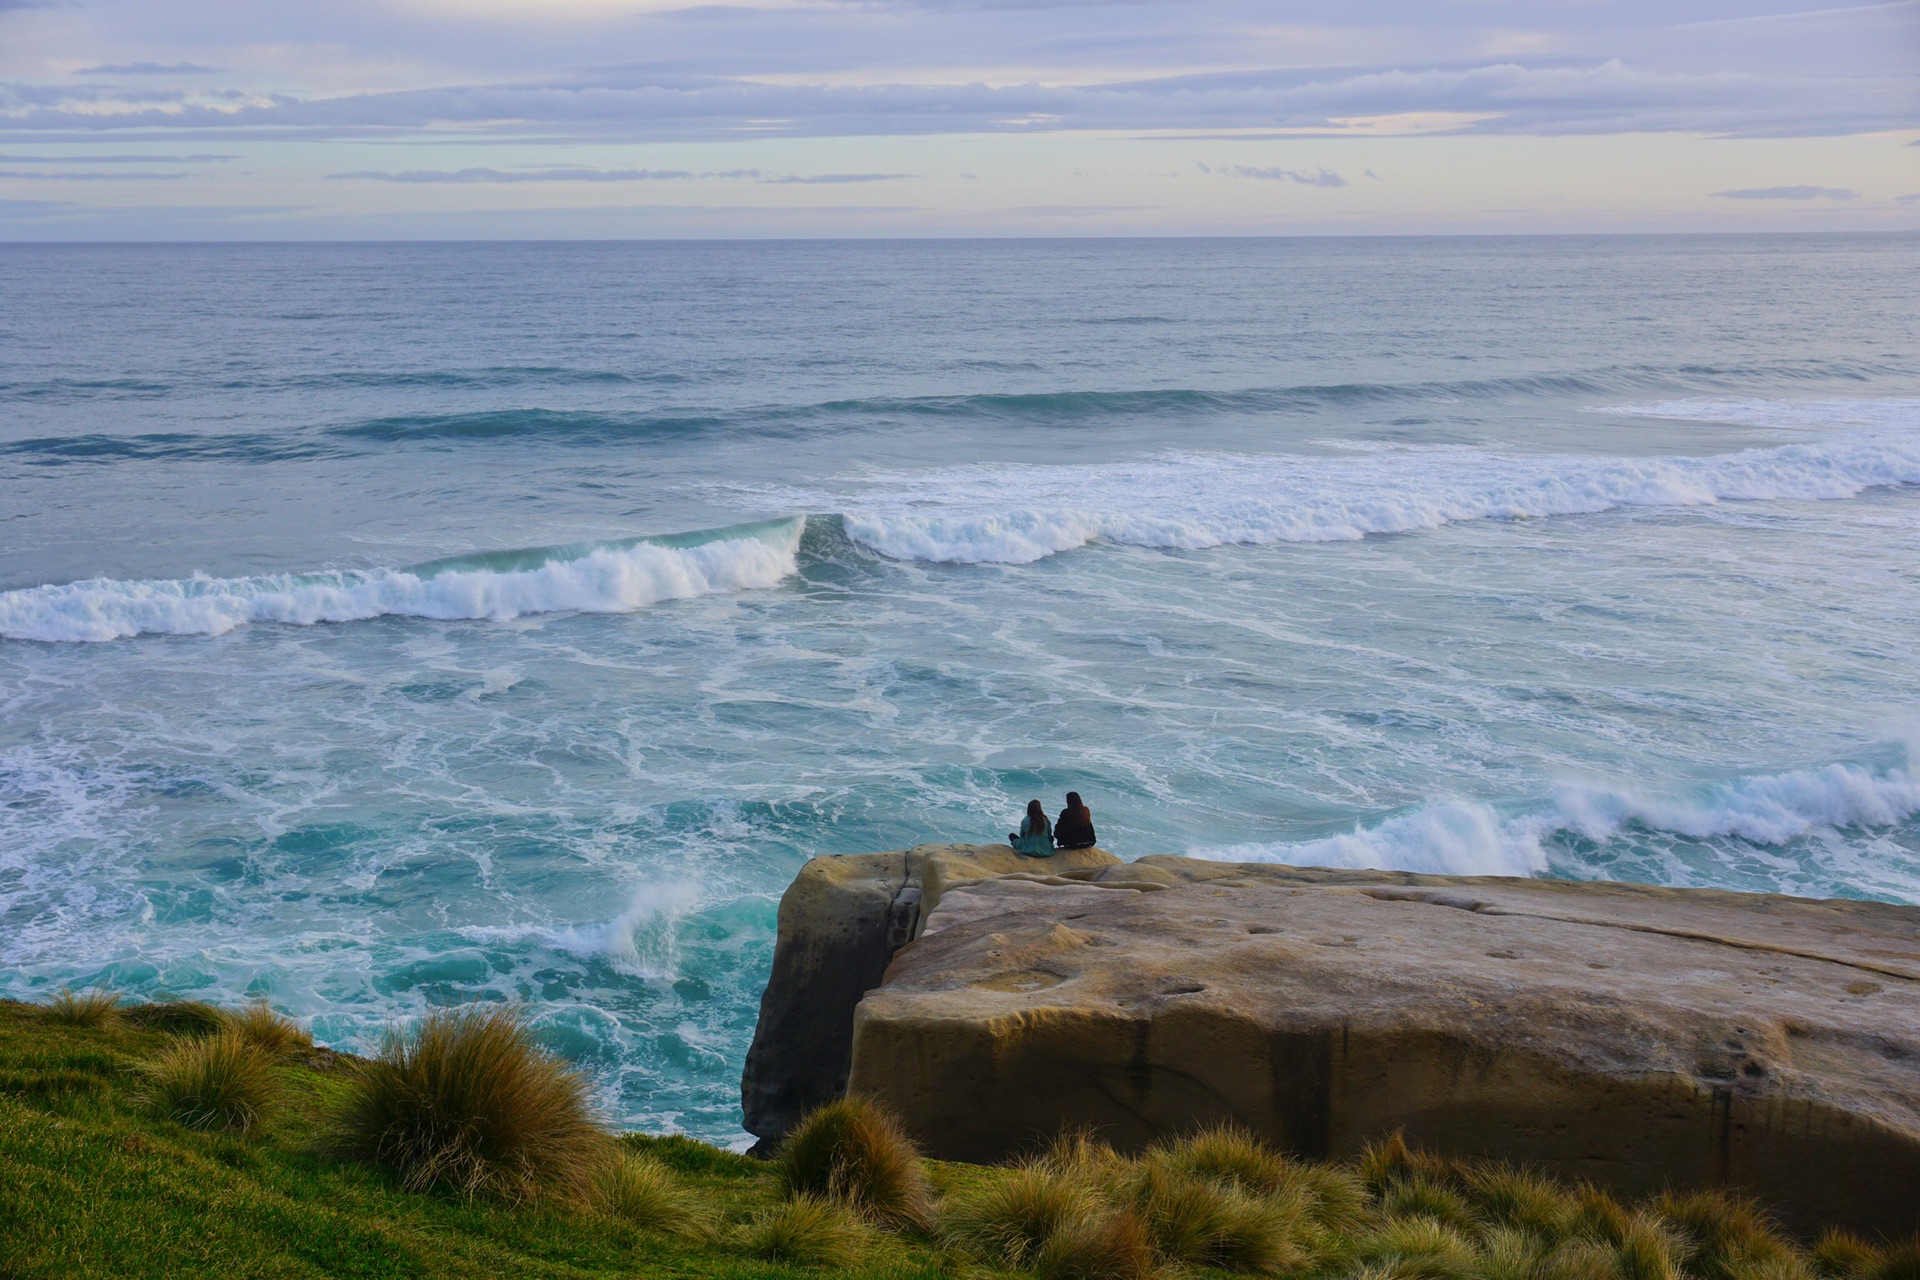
(840, 922)
(1636, 1036)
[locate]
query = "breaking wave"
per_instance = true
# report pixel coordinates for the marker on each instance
(1462, 837)
(609, 577)
(1016, 515)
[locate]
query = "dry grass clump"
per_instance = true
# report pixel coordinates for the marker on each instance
(1522, 1200)
(1898, 1262)
(95, 1008)
(856, 1152)
(1421, 1196)
(1721, 1237)
(181, 1017)
(1199, 1221)
(1113, 1246)
(466, 1103)
(1418, 1247)
(1012, 1217)
(1578, 1259)
(1226, 1153)
(644, 1193)
(216, 1082)
(1391, 1160)
(809, 1230)
(1841, 1255)
(270, 1032)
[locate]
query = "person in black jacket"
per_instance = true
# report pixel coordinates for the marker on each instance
(1074, 830)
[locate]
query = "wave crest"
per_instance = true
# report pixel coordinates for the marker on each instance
(1460, 837)
(612, 577)
(1016, 515)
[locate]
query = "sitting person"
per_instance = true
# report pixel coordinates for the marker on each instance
(1035, 837)
(1075, 828)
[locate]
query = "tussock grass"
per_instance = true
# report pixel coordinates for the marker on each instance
(1507, 1253)
(1898, 1262)
(644, 1193)
(180, 1017)
(214, 1082)
(466, 1103)
(1334, 1197)
(1391, 1160)
(1082, 1154)
(1420, 1196)
(1011, 1218)
(1114, 1246)
(809, 1230)
(1647, 1248)
(1722, 1237)
(1841, 1255)
(270, 1032)
(1226, 1153)
(1522, 1200)
(96, 1008)
(856, 1152)
(1578, 1260)
(1418, 1247)
(1598, 1216)
(1202, 1221)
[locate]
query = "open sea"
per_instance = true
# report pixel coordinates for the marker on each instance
(384, 626)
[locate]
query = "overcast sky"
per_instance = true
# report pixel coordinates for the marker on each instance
(213, 119)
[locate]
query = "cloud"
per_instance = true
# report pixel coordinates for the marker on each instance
(651, 104)
(1319, 178)
(834, 178)
(144, 68)
(1913, 198)
(30, 209)
(4, 159)
(424, 176)
(42, 176)
(1788, 193)
(526, 175)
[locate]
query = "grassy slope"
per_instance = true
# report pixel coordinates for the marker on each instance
(93, 1186)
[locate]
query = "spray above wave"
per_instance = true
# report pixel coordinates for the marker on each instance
(1462, 837)
(611, 577)
(1016, 515)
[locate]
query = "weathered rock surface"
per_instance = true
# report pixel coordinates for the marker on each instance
(840, 922)
(1636, 1036)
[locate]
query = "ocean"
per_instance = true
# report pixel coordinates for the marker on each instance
(392, 625)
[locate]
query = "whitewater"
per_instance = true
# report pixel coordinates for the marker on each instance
(956, 515)
(432, 623)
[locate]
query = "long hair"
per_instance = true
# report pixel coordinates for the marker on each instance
(1036, 815)
(1074, 803)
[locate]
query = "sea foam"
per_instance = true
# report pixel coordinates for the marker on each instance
(1462, 837)
(1188, 501)
(606, 578)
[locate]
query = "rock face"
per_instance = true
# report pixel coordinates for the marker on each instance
(841, 921)
(1635, 1036)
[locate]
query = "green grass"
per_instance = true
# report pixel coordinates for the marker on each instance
(95, 1182)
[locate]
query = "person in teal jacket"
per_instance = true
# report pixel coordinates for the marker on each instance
(1035, 837)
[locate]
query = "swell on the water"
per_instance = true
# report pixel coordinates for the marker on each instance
(1465, 837)
(1016, 515)
(610, 577)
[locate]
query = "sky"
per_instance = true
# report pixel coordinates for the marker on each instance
(479, 119)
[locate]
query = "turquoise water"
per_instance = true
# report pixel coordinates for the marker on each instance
(394, 625)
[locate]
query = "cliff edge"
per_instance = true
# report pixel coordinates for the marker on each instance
(1635, 1036)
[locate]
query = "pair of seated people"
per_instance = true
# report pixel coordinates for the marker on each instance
(1037, 838)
